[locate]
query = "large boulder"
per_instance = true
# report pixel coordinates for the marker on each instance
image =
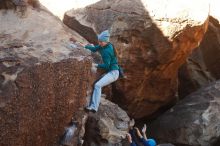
(152, 42)
(194, 121)
(203, 65)
(193, 74)
(210, 47)
(43, 78)
(107, 127)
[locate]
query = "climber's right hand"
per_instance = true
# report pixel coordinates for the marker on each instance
(94, 67)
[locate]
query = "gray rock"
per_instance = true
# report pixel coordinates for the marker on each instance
(194, 121)
(166, 144)
(194, 74)
(108, 126)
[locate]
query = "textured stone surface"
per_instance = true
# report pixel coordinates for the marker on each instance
(194, 121)
(20, 6)
(194, 74)
(210, 47)
(152, 41)
(107, 127)
(43, 81)
(168, 144)
(203, 65)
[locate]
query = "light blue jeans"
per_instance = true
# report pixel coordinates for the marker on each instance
(104, 81)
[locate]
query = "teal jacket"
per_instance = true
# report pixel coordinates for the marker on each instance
(109, 58)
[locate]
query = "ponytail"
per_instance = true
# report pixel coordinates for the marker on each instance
(115, 51)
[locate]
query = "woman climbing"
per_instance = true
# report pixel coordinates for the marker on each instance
(110, 65)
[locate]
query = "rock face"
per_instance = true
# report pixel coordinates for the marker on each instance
(107, 127)
(152, 42)
(194, 121)
(20, 5)
(194, 74)
(210, 47)
(43, 83)
(168, 144)
(203, 65)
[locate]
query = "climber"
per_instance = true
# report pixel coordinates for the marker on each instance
(110, 65)
(144, 140)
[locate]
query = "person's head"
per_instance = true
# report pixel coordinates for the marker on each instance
(103, 38)
(151, 142)
(102, 43)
